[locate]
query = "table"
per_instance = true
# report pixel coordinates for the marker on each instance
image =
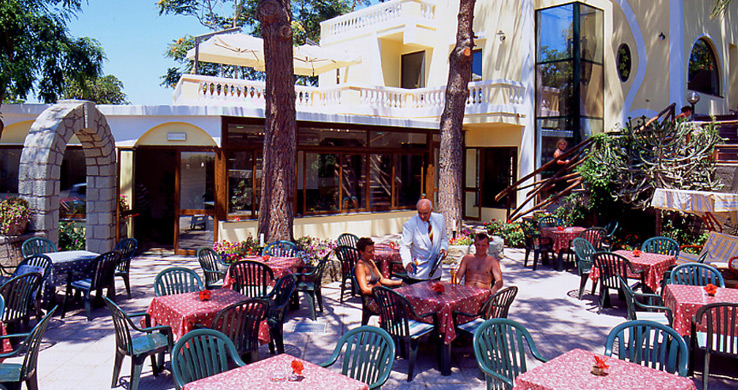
(183, 311)
(572, 371)
(384, 256)
(685, 300)
(561, 241)
(456, 297)
(256, 376)
(6, 346)
(653, 266)
(280, 266)
(63, 264)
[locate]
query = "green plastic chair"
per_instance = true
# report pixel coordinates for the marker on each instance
(496, 306)
(595, 236)
(103, 277)
(176, 280)
(208, 260)
(280, 249)
(278, 300)
(499, 346)
(347, 239)
(696, 274)
(37, 246)
(240, 321)
(13, 374)
(202, 353)
(611, 228)
(348, 257)
(649, 344)
(17, 294)
(127, 248)
(251, 278)
(720, 336)
(583, 250)
(611, 266)
(310, 284)
(550, 221)
(34, 263)
(370, 353)
(149, 341)
(396, 313)
(661, 245)
(540, 246)
(654, 310)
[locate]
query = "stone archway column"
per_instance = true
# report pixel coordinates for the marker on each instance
(40, 169)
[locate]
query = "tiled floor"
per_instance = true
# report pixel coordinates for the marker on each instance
(77, 354)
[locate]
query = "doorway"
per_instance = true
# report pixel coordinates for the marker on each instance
(154, 175)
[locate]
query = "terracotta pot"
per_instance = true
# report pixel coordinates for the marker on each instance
(17, 229)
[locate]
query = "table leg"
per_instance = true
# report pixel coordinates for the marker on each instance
(560, 260)
(445, 361)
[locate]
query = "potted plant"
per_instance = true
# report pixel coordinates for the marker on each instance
(14, 216)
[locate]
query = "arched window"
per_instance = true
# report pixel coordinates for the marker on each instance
(704, 74)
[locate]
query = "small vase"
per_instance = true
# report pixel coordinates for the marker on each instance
(599, 371)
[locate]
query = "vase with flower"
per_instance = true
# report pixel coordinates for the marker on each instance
(600, 368)
(711, 289)
(297, 368)
(14, 215)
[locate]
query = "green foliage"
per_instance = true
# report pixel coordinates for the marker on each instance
(231, 252)
(101, 90)
(37, 53)
(71, 237)
(573, 209)
(720, 7)
(511, 232)
(684, 228)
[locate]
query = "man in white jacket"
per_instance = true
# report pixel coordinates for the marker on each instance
(423, 239)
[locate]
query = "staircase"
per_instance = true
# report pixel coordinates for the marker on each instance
(726, 153)
(380, 184)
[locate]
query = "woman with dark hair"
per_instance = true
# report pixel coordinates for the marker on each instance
(367, 273)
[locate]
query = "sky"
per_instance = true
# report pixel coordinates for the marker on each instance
(134, 38)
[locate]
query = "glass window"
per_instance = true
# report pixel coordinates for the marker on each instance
(624, 62)
(408, 179)
(352, 183)
(196, 180)
(307, 136)
(476, 65)
(321, 182)
(9, 163)
(73, 185)
(704, 75)
(591, 90)
(244, 134)
(499, 171)
(555, 88)
(555, 33)
(380, 181)
(242, 189)
(413, 70)
(591, 30)
(393, 139)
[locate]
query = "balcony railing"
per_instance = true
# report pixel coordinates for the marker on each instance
(490, 96)
(382, 15)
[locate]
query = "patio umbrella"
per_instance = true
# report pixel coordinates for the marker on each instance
(716, 208)
(245, 50)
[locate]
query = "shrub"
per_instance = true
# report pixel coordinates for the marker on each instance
(511, 232)
(71, 237)
(312, 249)
(465, 237)
(231, 252)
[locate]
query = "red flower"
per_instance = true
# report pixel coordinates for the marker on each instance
(204, 295)
(297, 367)
(636, 252)
(266, 257)
(601, 362)
(438, 288)
(711, 289)
(561, 228)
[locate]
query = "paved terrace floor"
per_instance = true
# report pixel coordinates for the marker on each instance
(77, 354)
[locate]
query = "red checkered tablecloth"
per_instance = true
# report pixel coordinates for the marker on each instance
(456, 297)
(573, 371)
(182, 311)
(279, 265)
(562, 238)
(653, 266)
(685, 300)
(258, 376)
(384, 255)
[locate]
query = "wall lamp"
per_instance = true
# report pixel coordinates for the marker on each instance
(501, 35)
(662, 36)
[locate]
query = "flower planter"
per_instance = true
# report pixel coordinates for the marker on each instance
(17, 228)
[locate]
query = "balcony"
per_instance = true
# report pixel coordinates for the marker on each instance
(490, 98)
(407, 16)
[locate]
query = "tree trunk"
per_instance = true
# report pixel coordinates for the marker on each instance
(277, 201)
(450, 185)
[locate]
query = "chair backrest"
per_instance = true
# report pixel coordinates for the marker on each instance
(394, 311)
(584, 250)
(499, 346)
(347, 239)
(696, 274)
(549, 221)
(251, 278)
(280, 249)
(498, 305)
(17, 293)
(348, 257)
(121, 323)
(35, 263)
(176, 280)
(611, 266)
(104, 274)
(201, 353)
(611, 227)
(721, 326)
(369, 355)
(32, 344)
(208, 260)
(661, 245)
(319, 270)
(649, 344)
(595, 236)
(240, 322)
(127, 248)
(280, 296)
(37, 246)
(629, 298)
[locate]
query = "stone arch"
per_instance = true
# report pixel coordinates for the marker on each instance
(40, 167)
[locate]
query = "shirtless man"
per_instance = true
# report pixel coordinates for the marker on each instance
(480, 269)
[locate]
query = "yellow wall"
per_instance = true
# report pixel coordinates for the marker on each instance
(126, 184)
(362, 224)
(157, 135)
(17, 132)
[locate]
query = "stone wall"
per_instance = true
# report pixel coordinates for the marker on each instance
(10, 248)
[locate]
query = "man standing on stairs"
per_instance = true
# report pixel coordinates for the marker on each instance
(424, 242)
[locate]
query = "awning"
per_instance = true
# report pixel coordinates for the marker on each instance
(718, 208)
